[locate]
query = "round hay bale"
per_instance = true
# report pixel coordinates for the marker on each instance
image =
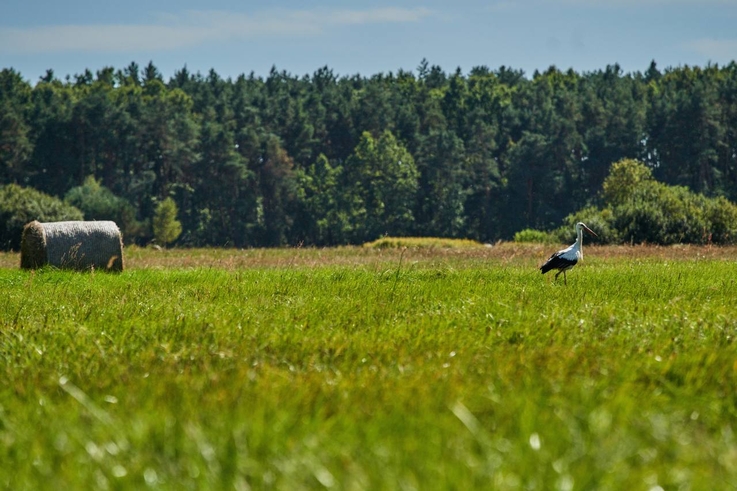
(33, 246)
(72, 245)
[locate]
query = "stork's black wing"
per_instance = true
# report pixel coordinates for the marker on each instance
(557, 261)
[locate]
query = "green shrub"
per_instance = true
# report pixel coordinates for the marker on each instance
(166, 227)
(661, 214)
(639, 209)
(722, 216)
(600, 221)
(529, 235)
(19, 206)
(421, 242)
(99, 203)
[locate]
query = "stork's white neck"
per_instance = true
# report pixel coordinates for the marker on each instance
(579, 242)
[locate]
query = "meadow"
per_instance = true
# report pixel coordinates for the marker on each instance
(387, 368)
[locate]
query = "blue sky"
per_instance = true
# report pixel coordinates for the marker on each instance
(364, 37)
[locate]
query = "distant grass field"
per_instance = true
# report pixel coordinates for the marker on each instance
(360, 368)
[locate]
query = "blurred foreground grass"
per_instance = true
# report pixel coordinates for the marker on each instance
(348, 369)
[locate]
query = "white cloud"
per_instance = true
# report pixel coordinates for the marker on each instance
(714, 49)
(512, 5)
(640, 3)
(173, 31)
(103, 38)
(381, 15)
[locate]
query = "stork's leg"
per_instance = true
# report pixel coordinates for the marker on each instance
(565, 279)
(557, 274)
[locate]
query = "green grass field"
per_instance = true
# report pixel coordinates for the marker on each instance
(386, 369)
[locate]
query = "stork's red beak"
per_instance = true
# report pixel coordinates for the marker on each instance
(589, 231)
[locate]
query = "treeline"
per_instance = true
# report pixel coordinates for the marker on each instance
(326, 159)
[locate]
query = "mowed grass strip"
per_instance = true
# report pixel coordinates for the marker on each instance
(397, 372)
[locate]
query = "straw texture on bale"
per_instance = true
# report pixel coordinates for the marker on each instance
(72, 245)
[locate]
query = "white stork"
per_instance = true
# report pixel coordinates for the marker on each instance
(567, 258)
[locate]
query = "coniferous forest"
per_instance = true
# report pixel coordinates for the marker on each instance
(327, 160)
